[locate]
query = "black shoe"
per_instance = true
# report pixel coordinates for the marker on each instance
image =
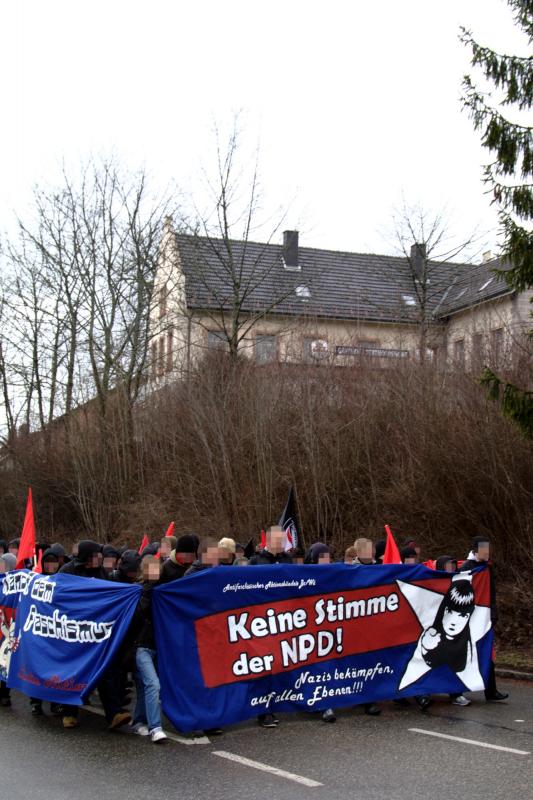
(268, 721)
(491, 698)
(56, 709)
(213, 731)
(329, 716)
(424, 702)
(372, 709)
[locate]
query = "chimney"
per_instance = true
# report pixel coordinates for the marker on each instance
(487, 256)
(418, 259)
(290, 249)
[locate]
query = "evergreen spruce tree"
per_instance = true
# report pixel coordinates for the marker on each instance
(509, 175)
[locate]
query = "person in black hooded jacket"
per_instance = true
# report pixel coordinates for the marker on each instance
(273, 552)
(87, 563)
(181, 558)
(128, 566)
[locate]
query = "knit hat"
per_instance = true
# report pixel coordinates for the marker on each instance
(315, 551)
(9, 560)
(86, 549)
(188, 543)
(108, 551)
(228, 544)
(407, 552)
(441, 562)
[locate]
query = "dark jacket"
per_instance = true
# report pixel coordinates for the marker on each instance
(172, 570)
(470, 564)
(129, 562)
(266, 557)
(86, 550)
(143, 624)
(197, 567)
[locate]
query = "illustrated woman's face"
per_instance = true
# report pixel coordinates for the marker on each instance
(454, 622)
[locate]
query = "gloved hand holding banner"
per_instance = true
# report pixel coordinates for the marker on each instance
(235, 642)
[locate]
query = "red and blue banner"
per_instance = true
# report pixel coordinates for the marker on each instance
(236, 642)
(63, 632)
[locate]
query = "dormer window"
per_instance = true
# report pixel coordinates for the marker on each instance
(303, 292)
(408, 300)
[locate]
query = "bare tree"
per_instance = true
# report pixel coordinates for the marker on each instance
(238, 280)
(432, 254)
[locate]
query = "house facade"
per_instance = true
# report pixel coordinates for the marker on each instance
(292, 304)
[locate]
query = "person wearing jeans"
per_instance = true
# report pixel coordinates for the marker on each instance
(147, 714)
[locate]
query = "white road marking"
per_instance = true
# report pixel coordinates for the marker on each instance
(471, 741)
(519, 720)
(247, 762)
(173, 736)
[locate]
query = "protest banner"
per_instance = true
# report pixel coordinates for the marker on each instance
(66, 631)
(235, 642)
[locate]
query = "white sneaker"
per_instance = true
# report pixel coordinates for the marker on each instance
(158, 735)
(140, 729)
(461, 700)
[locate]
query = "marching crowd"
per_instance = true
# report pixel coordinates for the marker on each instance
(176, 557)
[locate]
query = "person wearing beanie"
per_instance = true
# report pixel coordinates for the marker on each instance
(167, 545)
(181, 558)
(88, 564)
(379, 550)
(8, 562)
(128, 566)
(110, 557)
(446, 564)
(49, 562)
(408, 555)
(479, 555)
(60, 552)
(318, 553)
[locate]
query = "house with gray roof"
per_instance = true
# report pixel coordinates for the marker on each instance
(281, 302)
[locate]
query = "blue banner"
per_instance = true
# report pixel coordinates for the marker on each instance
(236, 642)
(66, 631)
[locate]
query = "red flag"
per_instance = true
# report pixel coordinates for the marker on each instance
(157, 555)
(27, 539)
(263, 540)
(431, 564)
(39, 565)
(145, 542)
(392, 554)
(170, 530)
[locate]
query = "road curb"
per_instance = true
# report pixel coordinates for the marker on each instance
(507, 672)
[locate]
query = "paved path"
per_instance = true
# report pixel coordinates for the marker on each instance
(483, 752)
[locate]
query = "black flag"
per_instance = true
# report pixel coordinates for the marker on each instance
(289, 521)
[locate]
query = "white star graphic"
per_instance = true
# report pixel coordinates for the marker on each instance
(425, 603)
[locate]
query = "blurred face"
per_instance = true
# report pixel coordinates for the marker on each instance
(450, 566)
(109, 563)
(50, 566)
(324, 558)
(186, 558)
(411, 560)
(212, 555)
(95, 561)
(14, 550)
(151, 570)
(365, 551)
(454, 622)
(165, 547)
(276, 540)
(226, 557)
(483, 551)
(3, 567)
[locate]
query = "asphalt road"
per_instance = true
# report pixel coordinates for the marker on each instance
(392, 757)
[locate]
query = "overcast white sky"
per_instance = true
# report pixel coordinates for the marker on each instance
(354, 102)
